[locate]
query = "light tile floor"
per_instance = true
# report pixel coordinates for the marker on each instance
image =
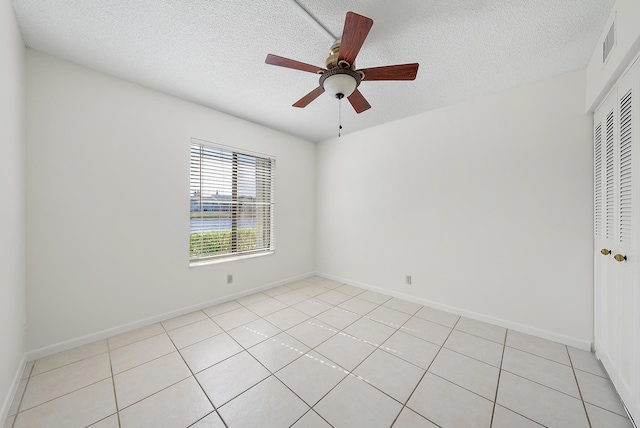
(317, 353)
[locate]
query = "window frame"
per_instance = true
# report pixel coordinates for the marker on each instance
(267, 202)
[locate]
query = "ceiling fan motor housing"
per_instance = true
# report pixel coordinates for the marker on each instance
(332, 59)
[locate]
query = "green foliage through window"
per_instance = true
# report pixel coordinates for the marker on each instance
(219, 242)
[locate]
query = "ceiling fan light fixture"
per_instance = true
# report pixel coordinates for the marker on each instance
(339, 85)
(339, 82)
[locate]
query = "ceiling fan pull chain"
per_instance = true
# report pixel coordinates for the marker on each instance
(339, 115)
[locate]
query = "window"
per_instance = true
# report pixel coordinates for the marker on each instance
(231, 208)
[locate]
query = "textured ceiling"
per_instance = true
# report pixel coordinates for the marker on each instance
(212, 51)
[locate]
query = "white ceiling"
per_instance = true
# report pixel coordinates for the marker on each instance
(212, 51)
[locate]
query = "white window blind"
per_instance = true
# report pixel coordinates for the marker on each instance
(231, 203)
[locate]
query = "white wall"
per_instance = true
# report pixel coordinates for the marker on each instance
(601, 77)
(12, 195)
(108, 198)
(487, 204)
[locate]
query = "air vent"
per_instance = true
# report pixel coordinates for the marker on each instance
(609, 42)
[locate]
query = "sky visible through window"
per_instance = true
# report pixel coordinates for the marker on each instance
(218, 172)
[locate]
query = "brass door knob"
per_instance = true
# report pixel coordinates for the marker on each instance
(605, 252)
(620, 257)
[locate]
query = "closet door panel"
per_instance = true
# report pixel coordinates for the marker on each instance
(616, 210)
(605, 233)
(627, 244)
(625, 364)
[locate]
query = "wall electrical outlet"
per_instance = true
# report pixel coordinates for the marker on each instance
(24, 327)
(407, 279)
(229, 279)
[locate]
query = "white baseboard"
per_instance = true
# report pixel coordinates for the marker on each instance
(522, 328)
(83, 340)
(8, 401)
(72, 343)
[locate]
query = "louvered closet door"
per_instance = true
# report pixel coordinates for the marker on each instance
(628, 375)
(617, 282)
(605, 292)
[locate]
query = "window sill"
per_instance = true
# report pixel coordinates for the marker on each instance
(205, 262)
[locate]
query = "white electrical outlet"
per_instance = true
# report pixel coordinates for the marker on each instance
(407, 279)
(229, 279)
(24, 327)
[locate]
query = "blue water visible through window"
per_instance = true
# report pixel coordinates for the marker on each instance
(198, 225)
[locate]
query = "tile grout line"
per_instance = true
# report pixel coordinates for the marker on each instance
(246, 349)
(15, 419)
(591, 373)
(314, 349)
(497, 385)
(573, 370)
(184, 325)
(72, 362)
(160, 390)
(404, 405)
(271, 373)
(215, 410)
(468, 356)
(460, 386)
(542, 384)
(63, 395)
(625, 416)
(236, 396)
(349, 372)
(495, 398)
(537, 383)
(113, 384)
(477, 335)
(192, 375)
(596, 405)
(307, 412)
(540, 356)
(427, 371)
(129, 344)
(399, 329)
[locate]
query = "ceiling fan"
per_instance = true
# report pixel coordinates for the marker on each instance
(340, 78)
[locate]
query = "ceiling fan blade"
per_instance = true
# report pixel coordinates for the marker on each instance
(291, 63)
(304, 101)
(356, 28)
(358, 102)
(391, 72)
